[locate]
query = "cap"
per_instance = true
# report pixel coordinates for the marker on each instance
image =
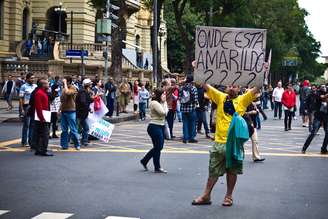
(86, 81)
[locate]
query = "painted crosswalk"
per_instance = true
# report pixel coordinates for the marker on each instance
(57, 215)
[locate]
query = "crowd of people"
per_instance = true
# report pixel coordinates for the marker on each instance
(184, 101)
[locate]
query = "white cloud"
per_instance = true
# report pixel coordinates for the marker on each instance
(317, 21)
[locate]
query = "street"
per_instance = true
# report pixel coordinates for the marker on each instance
(105, 180)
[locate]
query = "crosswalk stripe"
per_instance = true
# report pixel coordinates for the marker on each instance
(52, 215)
(115, 217)
(3, 212)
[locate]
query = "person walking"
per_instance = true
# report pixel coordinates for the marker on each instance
(320, 117)
(83, 100)
(24, 99)
(309, 106)
(304, 93)
(41, 127)
(201, 111)
(288, 100)
(135, 96)
(125, 92)
(172, 95)
(54, 108)
(8, 91)
(276, 98)
(110, 94)
(188, 100)
(227, 104)
(250, 117)
(143, 98)
(68, 115)
(158, 111)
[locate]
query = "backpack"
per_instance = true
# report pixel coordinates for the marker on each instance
(186, 95)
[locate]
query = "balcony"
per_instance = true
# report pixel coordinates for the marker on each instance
(133, 6)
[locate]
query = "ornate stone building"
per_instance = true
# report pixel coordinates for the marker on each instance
(18, 18)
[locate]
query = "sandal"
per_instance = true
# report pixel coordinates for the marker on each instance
(203, 202)
(227, 202)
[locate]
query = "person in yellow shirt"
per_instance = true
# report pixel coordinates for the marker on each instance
(227, 104)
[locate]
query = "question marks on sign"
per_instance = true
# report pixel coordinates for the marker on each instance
(253, 78)
(211, 72)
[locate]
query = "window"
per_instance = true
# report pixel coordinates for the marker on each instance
(1, 18)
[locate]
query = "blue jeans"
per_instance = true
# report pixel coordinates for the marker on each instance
(170, 120)
(110, 106)
(142, 110)
(27, 130)
(68, 120)
(156, 133)
(202, 120)
(189, 125)
(84, 130)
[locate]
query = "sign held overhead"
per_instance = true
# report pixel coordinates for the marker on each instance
(230, 56)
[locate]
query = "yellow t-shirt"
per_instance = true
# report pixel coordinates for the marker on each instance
(223, 119)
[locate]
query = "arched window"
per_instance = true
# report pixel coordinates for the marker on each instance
(1, 18)
(139, 60)
(25, 25)
(56, 20)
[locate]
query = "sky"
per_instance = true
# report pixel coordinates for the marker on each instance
(317, 21)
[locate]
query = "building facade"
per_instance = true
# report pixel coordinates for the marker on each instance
(18, 19)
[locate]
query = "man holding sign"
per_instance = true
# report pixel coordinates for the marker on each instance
(41, 127)
(232, 57)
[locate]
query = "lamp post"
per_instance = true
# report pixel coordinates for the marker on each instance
(60, 9)
(155, 43)
(161, 33)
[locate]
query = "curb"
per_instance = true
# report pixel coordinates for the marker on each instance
(114, 120)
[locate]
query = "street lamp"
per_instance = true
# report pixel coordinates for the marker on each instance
(60, 9)
(161, 33)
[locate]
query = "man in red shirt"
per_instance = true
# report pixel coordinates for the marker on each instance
(41, 128)
(288, 100)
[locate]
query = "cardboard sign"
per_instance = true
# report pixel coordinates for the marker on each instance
(101, 130)
(230, 56)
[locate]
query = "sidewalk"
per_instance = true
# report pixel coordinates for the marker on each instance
(12, 116)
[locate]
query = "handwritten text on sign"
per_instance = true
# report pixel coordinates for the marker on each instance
(102, 130)
(230, 56)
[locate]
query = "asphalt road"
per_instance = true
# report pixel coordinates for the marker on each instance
(106, 179)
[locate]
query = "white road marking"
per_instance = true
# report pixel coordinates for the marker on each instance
(115, 217)
(52, 215)
(3, 212)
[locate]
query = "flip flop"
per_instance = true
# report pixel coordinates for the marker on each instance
(227, 202)
(194, 202)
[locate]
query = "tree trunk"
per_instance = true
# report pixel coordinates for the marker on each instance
(179, 6)
(117, 37)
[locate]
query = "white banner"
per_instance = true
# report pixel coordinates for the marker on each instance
(230, 56)
(102, 130)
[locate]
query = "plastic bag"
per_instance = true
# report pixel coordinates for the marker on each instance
(97, 104)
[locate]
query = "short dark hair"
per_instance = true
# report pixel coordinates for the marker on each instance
(29, 75)
(157, 93)
(69, 79)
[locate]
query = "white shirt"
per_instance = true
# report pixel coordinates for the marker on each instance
(26, 91)
(277, 94)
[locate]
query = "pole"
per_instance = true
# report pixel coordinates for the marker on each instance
(106, 49)
(106, 62)
(82, 63)
(71, 46)
(155, 43)
(60, 11)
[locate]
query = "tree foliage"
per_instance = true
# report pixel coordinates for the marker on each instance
(283, 19)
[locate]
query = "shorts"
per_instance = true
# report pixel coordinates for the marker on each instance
(217, 163)
(124, 99)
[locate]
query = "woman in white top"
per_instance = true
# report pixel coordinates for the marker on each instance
(158, 111)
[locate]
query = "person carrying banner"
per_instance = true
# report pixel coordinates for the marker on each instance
(227, 104)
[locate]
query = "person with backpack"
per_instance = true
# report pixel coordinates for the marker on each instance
(320, 110)
(189, 101)
(304, 94)
(25, 94)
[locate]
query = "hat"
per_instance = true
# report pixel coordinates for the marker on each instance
(306, 83)
(86, 81)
